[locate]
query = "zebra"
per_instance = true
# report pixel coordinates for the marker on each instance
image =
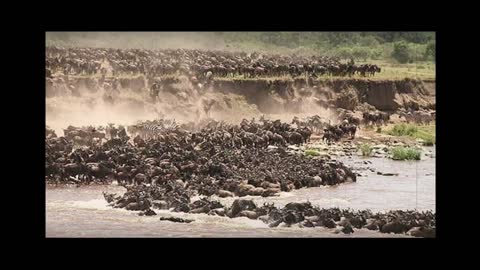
(155, 129)
(142, 129)
(148, 131)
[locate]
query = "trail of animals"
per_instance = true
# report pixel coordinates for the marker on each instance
(200, 63)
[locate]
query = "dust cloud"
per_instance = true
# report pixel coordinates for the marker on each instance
(181, 101)
(139, 40)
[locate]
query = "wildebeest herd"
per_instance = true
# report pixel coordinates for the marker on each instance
(143, 198)
(164, 164)
(197, 63)
(376, 117)
(192, 154)
(421, 117)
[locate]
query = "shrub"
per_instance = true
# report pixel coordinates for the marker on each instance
(311, 152)
(427, 137)
(403, 130)
(426, 133)
(344, 52)
(366, 149)
(401, 52)
(361, 53)
(430, 51)
(405, 153)
(429, 141)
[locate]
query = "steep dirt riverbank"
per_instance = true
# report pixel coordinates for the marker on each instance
(273, 96)
(124, 100)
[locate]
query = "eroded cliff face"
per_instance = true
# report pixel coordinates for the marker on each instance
(388, 95)
(262, 95)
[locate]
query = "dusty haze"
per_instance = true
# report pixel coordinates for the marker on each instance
(184, 104)
(140, 40)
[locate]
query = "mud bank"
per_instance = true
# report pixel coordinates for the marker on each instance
(127, 99)
(274, 96)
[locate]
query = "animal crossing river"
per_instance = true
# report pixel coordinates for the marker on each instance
(83, 212)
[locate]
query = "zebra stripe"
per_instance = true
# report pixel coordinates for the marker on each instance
(152, 130)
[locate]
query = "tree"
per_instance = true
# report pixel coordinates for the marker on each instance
(401, 52)
(360, 53)
(344, 53)
(430, 51)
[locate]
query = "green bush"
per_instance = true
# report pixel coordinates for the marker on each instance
(311, 152)
(428, 137)
(429, 141)
(403, 130)
(405, 153)
(366, 149)
(369, 41)
(377, 53)
(344, 52)
(401, 52)
(426, 133)
(430, 51)
(361, 53)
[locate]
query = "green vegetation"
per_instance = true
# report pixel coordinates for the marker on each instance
(403, 130)
(403, 47)
(311, 152)
(366, 149)
(358, 45)
(426, 133)
(430, 51)
(429, 141)
(405, 153)
(404, 52)
(401, 52)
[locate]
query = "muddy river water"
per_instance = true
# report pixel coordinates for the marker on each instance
(82, 212)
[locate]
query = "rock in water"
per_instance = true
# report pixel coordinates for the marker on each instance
(175, 219)
(387, 174)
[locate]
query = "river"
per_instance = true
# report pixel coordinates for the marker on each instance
(82, 212)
